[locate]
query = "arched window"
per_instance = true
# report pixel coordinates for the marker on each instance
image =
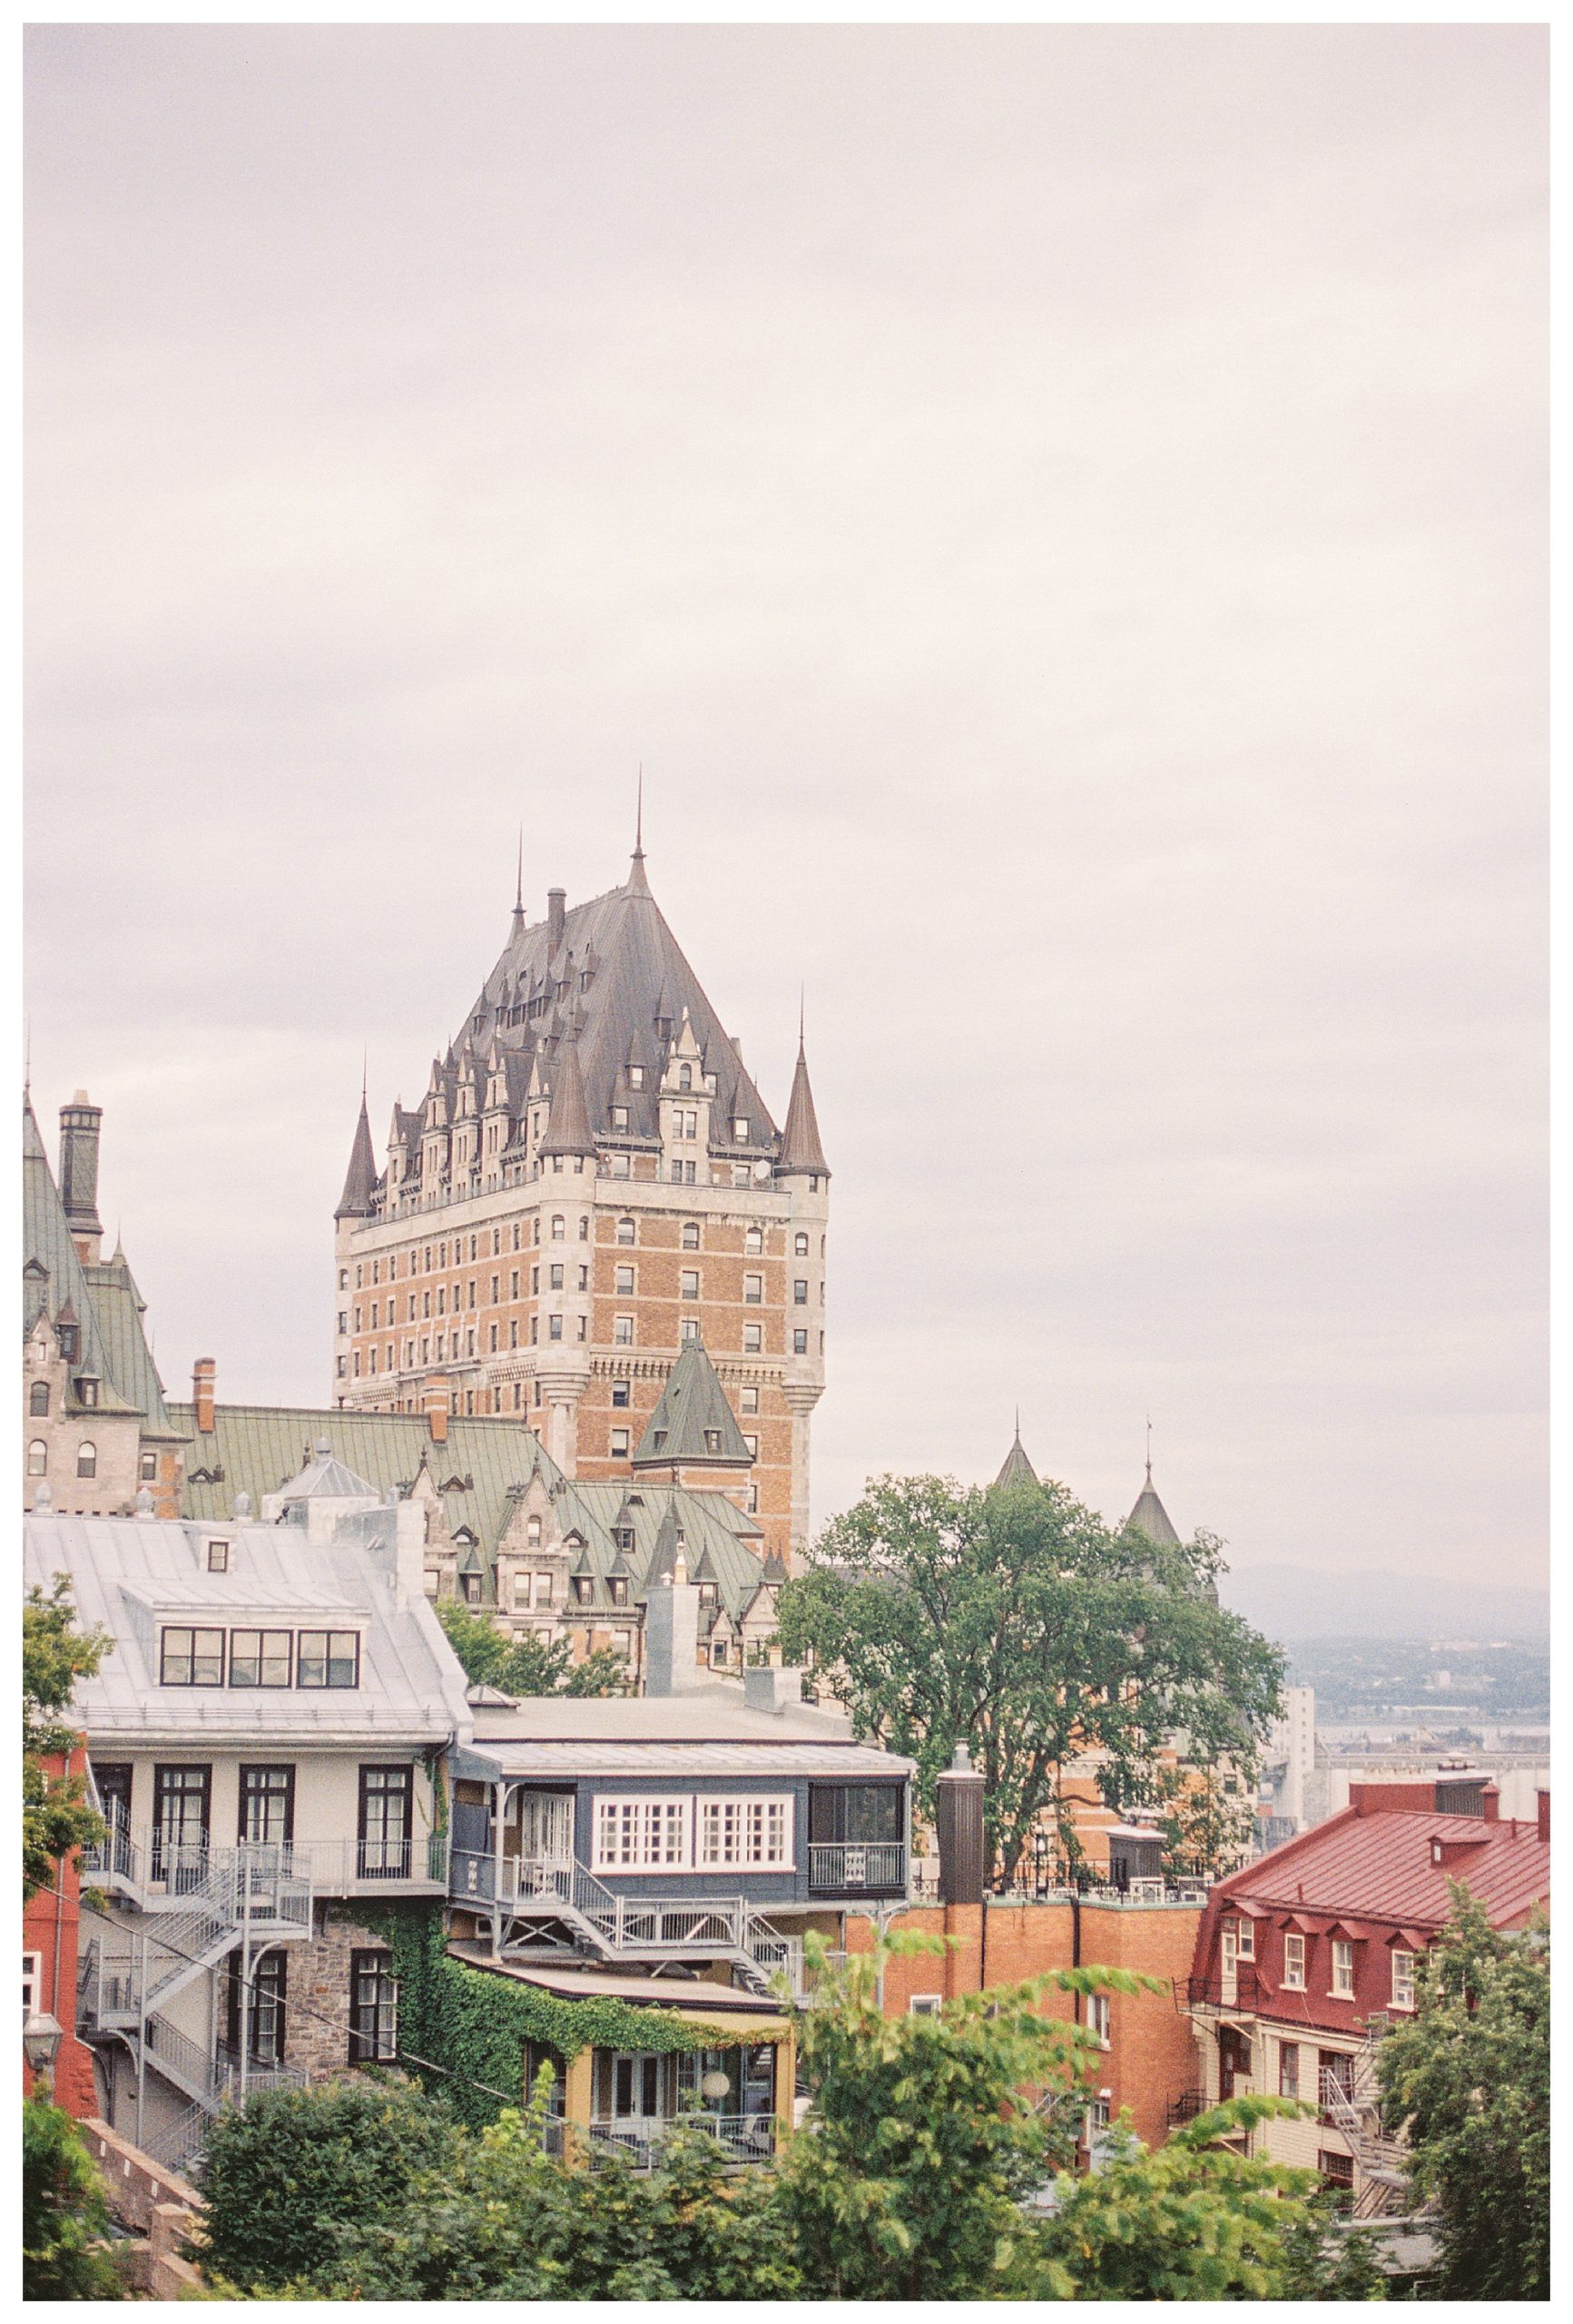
(87, 1460)
(685, 1076)
(38, 1399)
(625, 1230)
(558, 1229)
(38, 1457)
(691, 1234)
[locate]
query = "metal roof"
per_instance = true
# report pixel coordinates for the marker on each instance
(691, 1410)
(1016, 1466)
(361, 1178)
(801, 1150)
(53, 1280)
(1379, 1864)
(568, 1762)
(128, 1574)
(695, 1997)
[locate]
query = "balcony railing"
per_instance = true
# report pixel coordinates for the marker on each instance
(1219, 1994)
(844, 1868)
(155, 1872)
(747, 2137)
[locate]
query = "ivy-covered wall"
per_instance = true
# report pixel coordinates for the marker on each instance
(475, 2024)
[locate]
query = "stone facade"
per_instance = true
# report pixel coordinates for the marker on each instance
(318, 2000)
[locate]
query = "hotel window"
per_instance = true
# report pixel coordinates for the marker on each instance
(559, 1227)
(328, 1659)
(752, 1445)
(751, 1339)
(38, 1400)
(800, 1343)
(623, 1282)
(622, 1330)
(637, 1077)
(1403, 1980)
(86, 1458)
(148, 1465)
(532, 1530)
(642, 1834)
(685, 1076)
(1099, 2017)
(619, 1589)
(691, 1234)
(1288, 2069)
(750, 1499)
(1294, 1965)
(750, 1403)
(799, 1293)
(740, 1131)
(620, 1395)
(555, 1328)
(619, 1444)
(754, 1243)
(620, 1166)
(37, 1458)
(619, 1119)
(627, 1233)
(192, 1657)
(557, 1278)
(688, 1284)
(745, 1833)
(259, 1657)
(712, 1440)
(802, 1247)
(1343, 1987)
(493, 1294)
(753, 1290)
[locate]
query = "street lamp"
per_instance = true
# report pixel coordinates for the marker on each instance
(1040, 1861)
(40, 2046)
(715, 2085)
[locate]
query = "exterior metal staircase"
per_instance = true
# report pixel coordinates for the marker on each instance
(1354, 2107)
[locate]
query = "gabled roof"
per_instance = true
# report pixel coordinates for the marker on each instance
(1379, 1864)
(361, 1179)
(693, 1410)
(800, 1151)
(118, 1307)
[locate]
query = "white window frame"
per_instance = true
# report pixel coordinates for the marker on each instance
(622, 1330)
(1342, 1970)
(1245, 1939)
(1293, 1978)
(1403, 1980)
(1099, 2017)
(743, 1832)
(31, 1984)
(925, 2005)
(640, 1832)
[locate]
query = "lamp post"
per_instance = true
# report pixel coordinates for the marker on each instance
(1039, 1861)
(41, 2038)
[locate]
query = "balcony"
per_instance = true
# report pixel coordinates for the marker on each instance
(151, 1873)
(1219, 1995)
(747, 2137)
(857, 1867)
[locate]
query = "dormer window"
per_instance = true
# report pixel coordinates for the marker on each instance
(218, 1557)
(637, 1077)
(619, 1590)
(685, 1076)
(192, 1657)
(712, 1440)
(707, 1593)
(740, 1131)
(583, 1588)
(658, 1440)
(67, 1333)
(619, 1118)
(87, 1390)
(533, 1532)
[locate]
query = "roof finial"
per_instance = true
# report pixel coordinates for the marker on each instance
(519, 885)
(802, 1015)
(639, 818)
(365, 1057)
(1018, 1423)
(27, 1063)
(1149, 1448)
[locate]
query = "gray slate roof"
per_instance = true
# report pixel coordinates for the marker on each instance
(1015, 1467)
(800, 1151)
(692, 1408)
(1151, 1518)
(361, 1179)
(53, 1281)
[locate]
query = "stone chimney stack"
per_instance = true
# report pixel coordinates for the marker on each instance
(959, 1824)
(78, 1127)
(203, 1372)
(557, 916)
(1543, 1817)
(671, 1638)
(434, 1403)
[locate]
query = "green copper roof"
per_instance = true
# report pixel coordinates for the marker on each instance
(53, 1279)
(693, 1420)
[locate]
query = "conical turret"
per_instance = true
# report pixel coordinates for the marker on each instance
(1016, 1468)
(361, 1179)
(801, 1151)
(568, 1128)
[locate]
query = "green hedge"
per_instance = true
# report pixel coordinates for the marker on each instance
(474, 2023)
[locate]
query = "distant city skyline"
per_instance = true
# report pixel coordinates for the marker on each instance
(1058, 512)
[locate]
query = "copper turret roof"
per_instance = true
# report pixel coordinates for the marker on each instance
(800, 1151)
(1150, 1517)
(692, 1411)
(1015, 1467)
(568, 1128)
(361, 1179)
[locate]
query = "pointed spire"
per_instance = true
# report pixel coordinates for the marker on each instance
(1016, 1468)
(520, 889)
(638, 885)
(361, 1178)
(801, 1151)
(1149, 1516)
(693, 1420)
(568, 1128)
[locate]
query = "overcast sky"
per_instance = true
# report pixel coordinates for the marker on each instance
(1059, 515)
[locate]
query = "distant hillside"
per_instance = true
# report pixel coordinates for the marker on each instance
(1292, 1602)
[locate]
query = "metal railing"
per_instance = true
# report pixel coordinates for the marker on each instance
(840, 1867)
(695, 1927)
(1218, 1994)
(747, 2137)
(157, 1874)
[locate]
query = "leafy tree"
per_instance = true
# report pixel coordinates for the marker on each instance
(279, 2176)
(63, 2218)
(926, 2131)
(1469, 2078)
(527, 1666)
(55, 1816)
(1196, 2219)
(1013, 1619)
(506, 2220)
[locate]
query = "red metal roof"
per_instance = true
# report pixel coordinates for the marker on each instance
(1380, 1867)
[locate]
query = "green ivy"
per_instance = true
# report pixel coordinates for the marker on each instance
(475, 2024)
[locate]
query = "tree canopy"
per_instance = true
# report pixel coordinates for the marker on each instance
(1469, 2077)
(526, 1666)
(56, 1818)
(1015, 1620)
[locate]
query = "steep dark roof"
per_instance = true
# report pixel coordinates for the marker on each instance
(568, 1128)
(1150, 1517)
(800, 1151)
(693, 1405)
(1015, 1467)
(55, 1282)
(361, 1178)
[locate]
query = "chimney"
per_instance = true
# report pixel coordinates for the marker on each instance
(1543, 1816)
(959, 1822)
(434, 1403)
(671, 1638)
(202, 1374)
(78, 1126)
(556, 917)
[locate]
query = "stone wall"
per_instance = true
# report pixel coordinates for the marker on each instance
(316, 2005)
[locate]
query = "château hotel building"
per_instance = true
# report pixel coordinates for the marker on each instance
(591, 1182)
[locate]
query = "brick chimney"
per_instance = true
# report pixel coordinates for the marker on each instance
(958, 1825)
(1543, 1816)
(203, 1375)
(433, 1403)
(557, 916)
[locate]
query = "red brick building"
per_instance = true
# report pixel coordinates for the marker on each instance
(50, 1925)
(1304, 1958)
